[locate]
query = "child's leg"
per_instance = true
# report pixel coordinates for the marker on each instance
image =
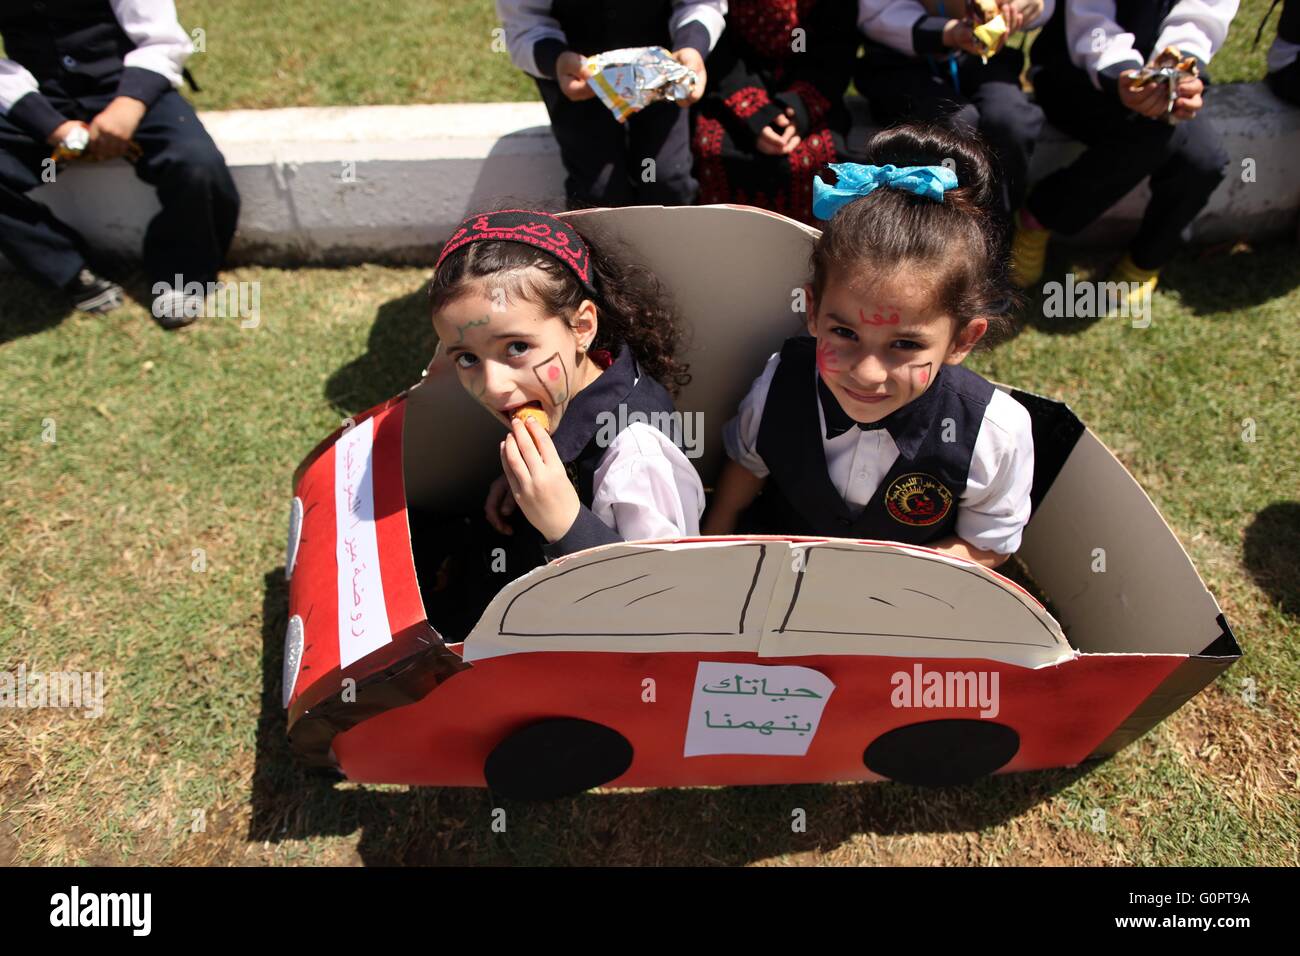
(1008, 119)
(200, 204)
(1121, 151)
(661, 132)
(1286, 82)
(1180, 188)
(593, 148)
(39, 244)
(902, 88)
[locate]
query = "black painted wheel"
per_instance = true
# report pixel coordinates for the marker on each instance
(942, 753)
(556, 758)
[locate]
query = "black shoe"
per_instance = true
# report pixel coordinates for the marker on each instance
(173, 309)
(92, 293)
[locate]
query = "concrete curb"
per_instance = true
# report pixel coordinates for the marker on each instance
(338, 185)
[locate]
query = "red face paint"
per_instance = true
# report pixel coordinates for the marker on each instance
(878, 318)
(827, 360)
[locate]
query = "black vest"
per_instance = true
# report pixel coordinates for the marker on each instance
(1142, 18)
(73, 48)
(916, 502)
(580, 439)
(595, 26)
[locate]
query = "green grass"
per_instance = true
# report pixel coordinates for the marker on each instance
(167, 443)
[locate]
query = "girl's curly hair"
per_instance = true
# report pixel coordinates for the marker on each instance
(958, 240)
(632, 305)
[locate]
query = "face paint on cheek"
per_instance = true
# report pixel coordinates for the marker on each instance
(555, 379)
(827, 360)
(919, 375)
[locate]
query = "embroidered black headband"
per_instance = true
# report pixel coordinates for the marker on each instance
(537, 229)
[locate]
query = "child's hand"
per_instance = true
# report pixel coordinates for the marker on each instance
(1189, 100)
(112, 129)
(690, 58)
(571, 74)
(1026, 12)
(1012, 17)
(718, 522)
(958, 35)
(1151, 101)
(963, 549)
(781, 140)
(500, 505)
(538, 479)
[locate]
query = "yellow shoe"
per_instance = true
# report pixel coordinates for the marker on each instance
(1028, 254)
(1136, 287)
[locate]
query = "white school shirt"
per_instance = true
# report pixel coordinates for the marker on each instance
(890, 22)
(527, 21)
(1097, 42)
(645, 487)
(161, 45)
(992, 511)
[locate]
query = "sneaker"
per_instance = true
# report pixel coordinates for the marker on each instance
(174, 309)
(92, 293)
(1028, 253)
(1134, 282)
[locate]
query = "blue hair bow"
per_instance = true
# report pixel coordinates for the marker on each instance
(856, 181)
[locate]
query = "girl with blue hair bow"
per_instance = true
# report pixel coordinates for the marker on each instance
(869, 426)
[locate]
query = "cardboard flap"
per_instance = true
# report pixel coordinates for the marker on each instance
(1116, 574)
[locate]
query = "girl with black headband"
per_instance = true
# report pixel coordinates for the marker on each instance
(869, 427)
(532, 314)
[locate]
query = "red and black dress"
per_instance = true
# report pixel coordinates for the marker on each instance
(775, 54)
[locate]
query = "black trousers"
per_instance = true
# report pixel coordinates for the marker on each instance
(1186, 163)
(909, 89)
(190, 234)
(604, 160)
(1286, 82)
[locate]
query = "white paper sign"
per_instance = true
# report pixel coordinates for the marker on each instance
(755, 709)
(363, 618)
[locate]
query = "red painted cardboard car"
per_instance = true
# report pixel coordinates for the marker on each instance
(736, 660)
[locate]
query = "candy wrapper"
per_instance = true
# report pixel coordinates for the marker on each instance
(987, 25)
(1169, 66)
(73, 148)
(631, 79)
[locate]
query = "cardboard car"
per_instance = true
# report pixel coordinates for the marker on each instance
(723, 660)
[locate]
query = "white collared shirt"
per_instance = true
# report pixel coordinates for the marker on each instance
(646, 487)
(992, 511)
(161, 45)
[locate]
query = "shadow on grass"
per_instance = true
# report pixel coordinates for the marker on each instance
(682, 827)
(1226, 278)
(28, 309)
(1208, 280)
(1042, 308)
(1272, 553)
(399, 348)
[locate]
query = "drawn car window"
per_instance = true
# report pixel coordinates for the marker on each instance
(947, 610)
(702, 590)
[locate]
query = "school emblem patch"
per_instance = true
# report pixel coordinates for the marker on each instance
(917, 499)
